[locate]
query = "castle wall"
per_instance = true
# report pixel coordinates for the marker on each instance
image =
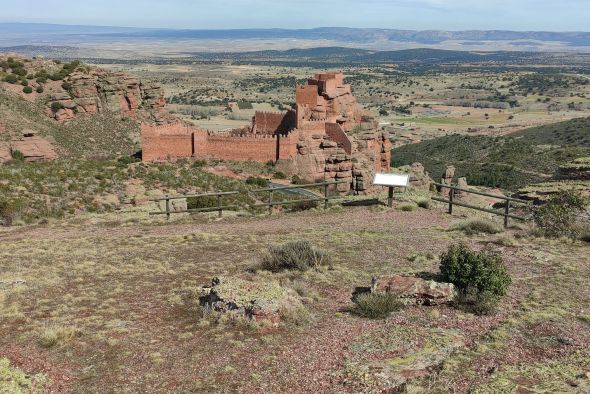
(273, 122)
(261, 148)
(163, 142)
(337, 134)
(307, 95)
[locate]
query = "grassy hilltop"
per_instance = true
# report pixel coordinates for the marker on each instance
(509, 162)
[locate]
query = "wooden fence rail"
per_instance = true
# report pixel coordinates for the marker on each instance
(505, 212)
(219, 208)
(271, 203)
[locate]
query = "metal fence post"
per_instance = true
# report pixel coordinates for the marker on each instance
(506, 212)
(451, 197)
(219, 204)
(325, 195)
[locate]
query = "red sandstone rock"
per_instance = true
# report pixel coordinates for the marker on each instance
(4, 152)
(424, 292)
(33, 147)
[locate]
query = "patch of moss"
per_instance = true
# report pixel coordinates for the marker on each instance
(15, 381)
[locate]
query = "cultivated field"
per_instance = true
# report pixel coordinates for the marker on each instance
(413, 106)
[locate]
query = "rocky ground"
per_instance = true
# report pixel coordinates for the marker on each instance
(93, 303)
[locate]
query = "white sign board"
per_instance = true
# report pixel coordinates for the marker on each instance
(399, 180)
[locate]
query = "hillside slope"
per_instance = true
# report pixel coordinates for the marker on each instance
(84, 111)
(509, 162)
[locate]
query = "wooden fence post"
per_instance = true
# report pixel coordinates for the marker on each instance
(506, 212)
(219, 204)
(390, 197)
(167, 208)
(270, 202)
(451, 197)
(325, 195)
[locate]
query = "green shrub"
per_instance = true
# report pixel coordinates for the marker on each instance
(296, 180)
(41, 79)
(424, 203)
(465, 268)
(24, 82)
(17, 155)
(559, 216)
(407, 207)
(40, 89)
(56, 106)
(11, 78)
(303, 206)
(9, 211)
(376, 305)
(280, 175)
(27, 90)
(199, 163)
(478, 226)
(66, 86)
(476, 302)
(295, 255)
(30, 76)
(201, 202)
(21, 72)
(257, 181)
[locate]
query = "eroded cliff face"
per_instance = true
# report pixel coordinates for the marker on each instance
(97, 91)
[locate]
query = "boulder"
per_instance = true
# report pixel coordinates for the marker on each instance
(256, 300)
(462, 183)
(423, 292)
(33, 147)
(419, 178)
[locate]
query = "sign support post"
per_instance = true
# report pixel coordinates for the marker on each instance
(391, 181)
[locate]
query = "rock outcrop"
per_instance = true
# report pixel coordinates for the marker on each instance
(32, 146)
(420, 291)
(96, 91)
(419, 178)
(256, 300)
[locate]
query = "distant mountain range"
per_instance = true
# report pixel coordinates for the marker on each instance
(368, 38)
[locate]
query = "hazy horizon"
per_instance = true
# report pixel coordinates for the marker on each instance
(457, 15)
(277, 28)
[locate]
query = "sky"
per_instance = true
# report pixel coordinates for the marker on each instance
(549, 15)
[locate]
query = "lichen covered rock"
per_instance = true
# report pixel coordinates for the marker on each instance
(257, 300)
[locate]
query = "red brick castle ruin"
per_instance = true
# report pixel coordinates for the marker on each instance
(326, 136)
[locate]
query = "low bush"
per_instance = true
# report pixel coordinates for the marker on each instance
(376, 305)
(476, 302)
(9, 211)
(17, 155)
(201, 202)
(53, 336)
(559, 216)
(424, 203)
(481, 278)
(11, 78)
(40, 89)
(407, 207)
(56, 106)
(27, 90)
(295, 255)
(303, 206)
(257, 181)
(478, 226)
(199, 163)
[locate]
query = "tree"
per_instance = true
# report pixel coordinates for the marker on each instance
(11, 78)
